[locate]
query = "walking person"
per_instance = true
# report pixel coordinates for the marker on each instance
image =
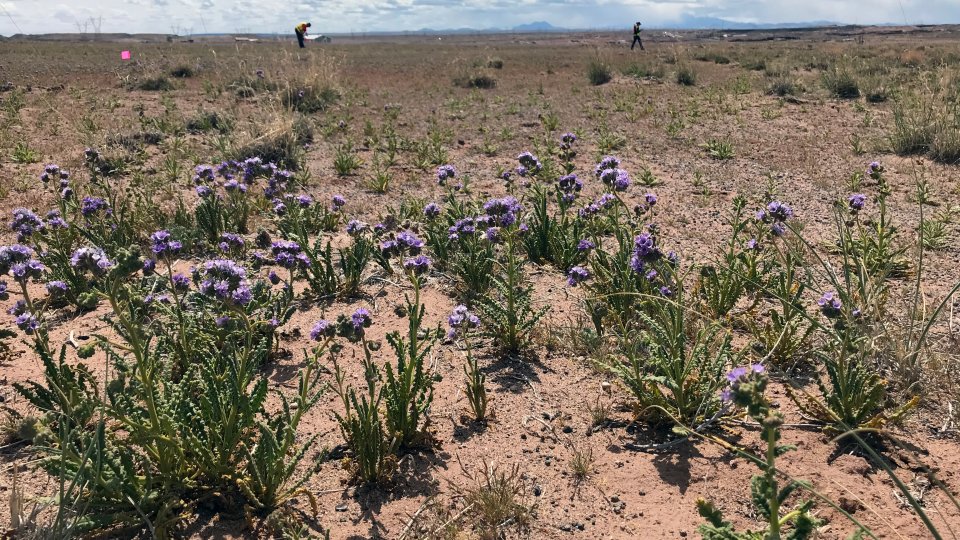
(301, 30)
(636, 36)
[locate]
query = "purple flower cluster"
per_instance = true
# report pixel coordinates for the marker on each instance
(404, 242)
(92, 205)
(337, 202)
(288, 254)
(586, 245)
(418, 265)
(55, 220)
(604, 202)
(224, 280)
(503, 212)
(741, 381)
(230, 242)
(24, 271)
(462, 227)
(569, 186)
(615, 178)
(181, 283)
(567, 140)
(27, 322)
(11, 256)
(355, 227)
(856, 202)
(529, 164)
(776, 213)
(54, 172)
(4, 294)
(323, 329)
(875, 170)
(91, 259)
(461, 320)
(360, 320)
(164, 245)
(577, 275)
(445, 173)
(25, 223)
(645, 250)
(431, 211)
(57, 289)
(830, 305)
(608, 162)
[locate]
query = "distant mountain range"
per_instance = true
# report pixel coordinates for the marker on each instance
(688, 22)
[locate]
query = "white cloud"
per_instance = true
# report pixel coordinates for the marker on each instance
(159, 16)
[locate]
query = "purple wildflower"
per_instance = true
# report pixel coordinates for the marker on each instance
(418, 265)
(857, 202)
(445, 173)
(830, 305)
(323, 329)
(164, 245)
(577, 275)
(91, 259)
(431, 211)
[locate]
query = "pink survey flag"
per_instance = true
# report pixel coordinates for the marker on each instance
(124, 55)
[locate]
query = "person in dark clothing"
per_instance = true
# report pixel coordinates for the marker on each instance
(301, 30)
(636, 37)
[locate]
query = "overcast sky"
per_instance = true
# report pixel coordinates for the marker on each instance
(164, 16)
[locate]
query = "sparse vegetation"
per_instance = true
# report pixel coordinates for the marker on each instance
(284, 299)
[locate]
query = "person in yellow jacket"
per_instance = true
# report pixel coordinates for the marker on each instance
(301, 30)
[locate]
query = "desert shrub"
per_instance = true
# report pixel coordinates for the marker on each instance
(686, 76)
(282, 145)
(643, 71)
(309, 99)
(136, 468)
(495, 63)
(598, 73)
(182, 72)
(155, 84)
(782, 87)
(841, 83)
(753, 64)
(209, 121)
(714, 57)
(877, 93)
(346, 160)
(946, 143)
(475, 80)
(914, 125)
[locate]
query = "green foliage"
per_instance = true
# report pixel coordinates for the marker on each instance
(346, 160)
(554, 237)
(719, 149)
(309, 99)
(674, 370)
(273, 478)
(475, 80)
(507, 310)
(22, 153)
(182, 72)
(362, 426)
(408, 388)
(841, 83)
(768, 497)
(599, 73)
(686, 76)
(155, 84)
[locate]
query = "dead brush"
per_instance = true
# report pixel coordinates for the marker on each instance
(496, 500)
